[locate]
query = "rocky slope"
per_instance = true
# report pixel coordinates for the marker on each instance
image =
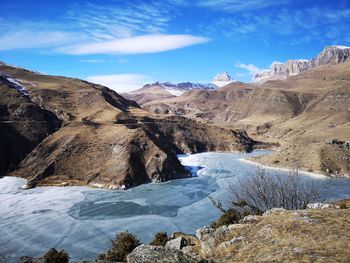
(63, 131)
(330, 55)
(310, 108)
(278, 236)
(312, 235)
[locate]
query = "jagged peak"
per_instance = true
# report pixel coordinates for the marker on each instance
(336, 47)
(224, 76)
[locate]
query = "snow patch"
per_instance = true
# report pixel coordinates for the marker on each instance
(340, 47)
(14, 83)
(175, 92)
(321, 206)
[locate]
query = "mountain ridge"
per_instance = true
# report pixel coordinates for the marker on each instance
(330, 55)
(73, 132)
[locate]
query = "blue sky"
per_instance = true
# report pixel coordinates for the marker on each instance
(125, 44)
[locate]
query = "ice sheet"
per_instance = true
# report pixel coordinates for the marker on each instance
(82, 221)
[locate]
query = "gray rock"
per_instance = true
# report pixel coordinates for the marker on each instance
(330, 55)
(274, 210)
(177, 243)
(201, 233)
(152, 254)
(250, 219)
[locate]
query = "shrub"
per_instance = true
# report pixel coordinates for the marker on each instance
(343, 205)
(53, 256)
(229, 217)
(160, 239)
(123, 244)
(261, 191)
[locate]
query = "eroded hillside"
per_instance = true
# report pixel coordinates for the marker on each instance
(79, 133)
(307, 109)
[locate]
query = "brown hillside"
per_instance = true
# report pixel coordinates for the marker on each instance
(308, 109)
(102, 138)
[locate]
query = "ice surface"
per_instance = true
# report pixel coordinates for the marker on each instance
(82, 221)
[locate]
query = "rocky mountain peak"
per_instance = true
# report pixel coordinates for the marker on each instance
(222, 79)
(333, 55)
(330, 55)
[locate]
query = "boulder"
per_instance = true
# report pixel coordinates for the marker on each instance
(177, 243)
(151, 254)
(249, 219)
(191, 240)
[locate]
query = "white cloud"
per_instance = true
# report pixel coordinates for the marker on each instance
(37, 39)
(121, 82)
(97, 60)
(238, 5)
(121, 19)
(136, 45)
(250, 68)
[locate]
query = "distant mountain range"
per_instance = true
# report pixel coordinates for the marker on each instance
(330, 55)
(297, 103)
(166, 90)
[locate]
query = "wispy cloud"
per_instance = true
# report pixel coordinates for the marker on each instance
(302, 25)
(121, 82)
(93, 25)
(234, 6)
(114, 19)
(135, 45)
(97, 60)
(41, 39)
(252, 70)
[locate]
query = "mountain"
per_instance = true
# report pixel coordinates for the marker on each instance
(63, 131)
(222, 79)
(330, 55)
(166, 90)
(310, 108)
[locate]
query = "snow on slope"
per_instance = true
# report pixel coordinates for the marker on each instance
(222, 79)
(14, 83)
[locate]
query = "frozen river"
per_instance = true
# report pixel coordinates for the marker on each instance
(81, 220)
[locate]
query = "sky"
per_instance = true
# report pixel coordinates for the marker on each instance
(126, 44)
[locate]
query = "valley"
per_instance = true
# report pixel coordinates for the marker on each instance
(310, 108)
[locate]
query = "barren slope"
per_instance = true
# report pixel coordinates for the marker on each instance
(104, 140)
(308, 109)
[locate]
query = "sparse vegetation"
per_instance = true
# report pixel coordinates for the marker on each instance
(261, 191)
(123, 244)
(160, 239)
(54, 256)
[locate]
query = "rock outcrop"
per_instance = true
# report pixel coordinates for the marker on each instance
(330, 55)
(151, 254)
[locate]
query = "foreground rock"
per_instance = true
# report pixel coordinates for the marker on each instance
(320, 234)
(151, 254)
(280, 236)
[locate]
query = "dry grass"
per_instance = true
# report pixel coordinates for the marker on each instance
(291, 236)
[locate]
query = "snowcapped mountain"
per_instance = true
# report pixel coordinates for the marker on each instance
(222, 79)
(330, 55)
(169, 89)
(177, 89)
